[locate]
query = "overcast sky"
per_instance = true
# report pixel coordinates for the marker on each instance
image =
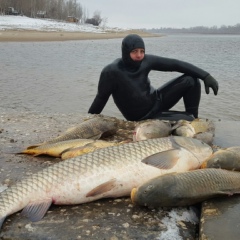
(165, 13)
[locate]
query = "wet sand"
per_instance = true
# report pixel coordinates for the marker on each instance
(30, 35)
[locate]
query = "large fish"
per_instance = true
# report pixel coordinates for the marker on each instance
(56, 149)
(188, 188)
(107, 172)
(92, 128)
(228, 158)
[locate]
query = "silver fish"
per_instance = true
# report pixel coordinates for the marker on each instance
(188, 188)
(151, 129)
(107, 172)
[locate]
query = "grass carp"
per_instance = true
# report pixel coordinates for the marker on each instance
(107, 172)
(188, 188)
(56, 149)
(228, 158)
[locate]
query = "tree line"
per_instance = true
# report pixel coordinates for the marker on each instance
(54, 9)
(200, 29)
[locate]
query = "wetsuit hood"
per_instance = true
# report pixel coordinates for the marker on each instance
(130, 42)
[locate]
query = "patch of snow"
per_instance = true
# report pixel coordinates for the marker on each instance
(171, 222)
(9, 22)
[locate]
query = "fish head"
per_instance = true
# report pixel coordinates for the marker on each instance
(228, 158)
(142, 194)
(212, 162)
(183, 128)
(198, 148)
(155, 192)
(151, 129)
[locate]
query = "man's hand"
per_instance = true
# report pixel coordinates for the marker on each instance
(210, 82)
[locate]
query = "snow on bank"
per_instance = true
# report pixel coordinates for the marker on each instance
(25, 23)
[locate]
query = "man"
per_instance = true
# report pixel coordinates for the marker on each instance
(127, 80)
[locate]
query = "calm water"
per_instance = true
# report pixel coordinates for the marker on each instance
(62, 76)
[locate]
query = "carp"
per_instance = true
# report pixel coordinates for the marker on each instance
(228, 158)
(107, 172)
(187, 188)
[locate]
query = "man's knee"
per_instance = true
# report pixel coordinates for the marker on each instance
(191, 81)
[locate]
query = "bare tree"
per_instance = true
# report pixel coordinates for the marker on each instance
(95, 20)
(55, 9)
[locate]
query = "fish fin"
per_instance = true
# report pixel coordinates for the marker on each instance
(102, 188)
(163, 160)
(1, 222)
(70, 129)
(38, 154)
(66, 150)
(35, 211)
(33, 146)
(96, 137)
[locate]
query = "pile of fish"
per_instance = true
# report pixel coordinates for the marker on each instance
(108, 172)
(101, 131)
(219, 176)
(78, 140)
(156, 162)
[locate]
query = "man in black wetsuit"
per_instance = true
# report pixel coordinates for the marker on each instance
(127, 80)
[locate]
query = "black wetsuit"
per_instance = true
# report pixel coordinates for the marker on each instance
(133, 94)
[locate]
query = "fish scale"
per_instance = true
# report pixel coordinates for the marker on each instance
(91, 128)
(107, 172)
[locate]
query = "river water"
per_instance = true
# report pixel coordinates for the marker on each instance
(62, 77)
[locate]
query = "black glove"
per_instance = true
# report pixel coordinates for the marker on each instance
(211, 82)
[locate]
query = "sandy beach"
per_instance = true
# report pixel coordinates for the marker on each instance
(32, 35)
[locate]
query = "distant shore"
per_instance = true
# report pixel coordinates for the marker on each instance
(30, 35)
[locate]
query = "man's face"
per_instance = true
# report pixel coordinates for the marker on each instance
(137, 54)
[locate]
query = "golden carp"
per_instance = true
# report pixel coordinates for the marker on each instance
(188, 188)
(90, 147)
(151, 129)
(92, 128)
(56, 149)
(228, 158)
(107, 172)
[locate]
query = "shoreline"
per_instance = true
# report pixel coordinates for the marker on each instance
(41, 36)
